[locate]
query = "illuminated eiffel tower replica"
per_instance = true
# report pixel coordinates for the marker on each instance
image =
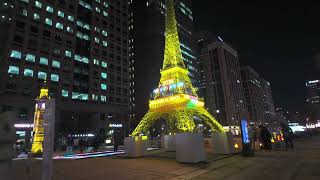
(38, 128)
(175, 100)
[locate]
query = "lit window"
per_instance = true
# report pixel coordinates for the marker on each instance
(54, 77)
(61, 14)
(64, 93)
(97, 9)
(49, 9)
(59, 25)
(13, 70)
(104, 75)
(81, 58)
(105, 13)
(38, 4)
(98, 1)
(69, 29)
(15, 54)
(68, 54)
(70, 18)
(105, 33)
(105, 43)
(36, 17)
(30, 58)
(28, 72)
(103, 86)
(43, 61)
(24, 12)
(55, 64)
(103, 98)
(104, 64)
(42, 75)
(105, 4)
(80, 96)
(96, 62)
(95, 97)
(96, 40)
(48, 21)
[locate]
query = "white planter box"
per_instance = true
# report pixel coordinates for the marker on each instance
(135, 146)
(170, 143)
(222, 143)
(190, 148)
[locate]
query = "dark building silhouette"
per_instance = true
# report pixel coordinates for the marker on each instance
(220, 84)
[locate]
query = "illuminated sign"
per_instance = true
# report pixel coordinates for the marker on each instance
(245, 132)
(167, 82)
(23, 125)
(115, 125)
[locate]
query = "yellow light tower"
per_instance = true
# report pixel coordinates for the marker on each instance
(38, 129)
(175, 99)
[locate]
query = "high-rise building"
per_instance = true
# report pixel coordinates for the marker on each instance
(79, 47)
(221, 84)
(146, 47)
(313, 99)
(258, 97)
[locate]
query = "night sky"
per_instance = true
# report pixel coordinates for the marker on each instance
(276, 38)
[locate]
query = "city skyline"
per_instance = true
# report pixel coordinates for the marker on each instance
(281, 52)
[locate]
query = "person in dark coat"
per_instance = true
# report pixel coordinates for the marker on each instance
(287, 131)
(265, 138)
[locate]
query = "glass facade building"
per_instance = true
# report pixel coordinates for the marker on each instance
(79, 47)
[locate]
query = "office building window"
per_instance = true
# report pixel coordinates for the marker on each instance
(104, 75)
(68, 53)
(80, 96)
(49, 9)
(69, 29)
(13, 70)
(103, 98)
(61, 14)
(30, 58)
(36, 17)
(71, 18)
(38, 4)
(55, 64)
(54, 77)
(104, 64)
(95, 97)
(96, 62)
(59, 25)
(103, 86)
(105, 43)
(24, 12)
(15, 54)
(64, 93)
(42, 75)
(48, 21)
(28, 72)
(43, 61)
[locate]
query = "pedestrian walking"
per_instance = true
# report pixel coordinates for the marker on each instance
(265, 138)
(253, 136)
(287, 131)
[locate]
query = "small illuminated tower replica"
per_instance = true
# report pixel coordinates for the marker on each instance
(38, 129)
(175, 100)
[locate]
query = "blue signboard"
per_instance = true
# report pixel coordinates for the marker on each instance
(245, 132)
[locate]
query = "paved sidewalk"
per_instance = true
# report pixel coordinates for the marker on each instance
(301, 163)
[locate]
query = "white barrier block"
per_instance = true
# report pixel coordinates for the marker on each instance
(222, 143)
(135, 146)
(190, 147)
(170, 143)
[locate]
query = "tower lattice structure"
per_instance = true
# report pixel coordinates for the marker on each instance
(175, 99)
(38, 129)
